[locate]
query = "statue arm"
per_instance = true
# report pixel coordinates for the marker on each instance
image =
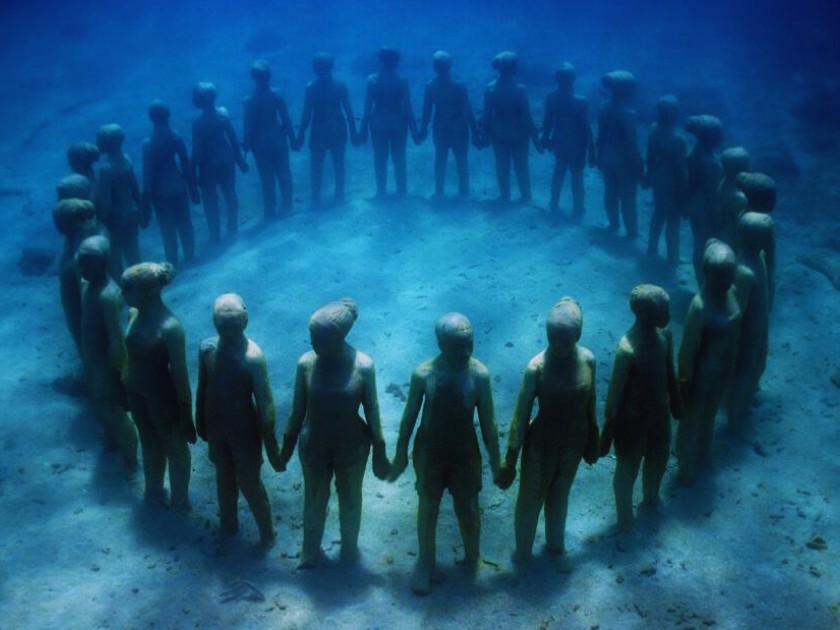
(590, 453)
(427, 110)
(117, 354)
(286, 119)
(230, 134)
(487, 422)
(618, 382)
(370, 403)
(297, 415)
(675, 400)
(266, 410)
(408, 111)
(368, 111)
(689, 345)
(348, 112)
(519, 424)
(306, 116)
(174, 338)
(201, 393)
(416, 392)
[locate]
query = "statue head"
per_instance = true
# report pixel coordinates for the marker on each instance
(564, 325)
(109, 138)
(73, 186)
(707, 129)
(261, 71)
(230, 316)
(718, 265)
(735, 160)
(204, 95)
(668, 109)
(329, 325)
(81, 156)
(389, 57)
(506, 63)
(759, 189)
(454, 334)
(92, 257)
(144, 280)
(159, 112)
(70, 214)
(621, 84)
(756, 230)
(322, 63)
(442, 62)
(651, 305)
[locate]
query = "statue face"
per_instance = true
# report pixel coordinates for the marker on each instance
(457, 346)
(562, 336)
(92, 268)
(326, 342)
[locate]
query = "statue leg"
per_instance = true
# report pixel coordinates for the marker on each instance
(340, 171)
(653, 470)
(686, 444)
(706, 429)
(379, 141)
(523, 172)
(611, 189)
(738, 399)
(502, 153)
(460, 152)
(71, 302)
(657, 222)
(629, 211)
(316, 496)
(626, 471)
(557, 504)
(348, 485)
(180, 460)
(317, 153)
(428, 508)
(210, 201)
(228, 187)
(226, 490)
(529, 502)
(265, 169)
(557, 176)
(284, 177)
(398, 140)
(672, 232)
(441, 155)
(248, 475)
(578, 194)
(154, 458)
(165, 214)
(130, 245)
(183, 222)
(469, 522)
(106, 391)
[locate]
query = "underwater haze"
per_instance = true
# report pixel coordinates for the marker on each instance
(755, 543)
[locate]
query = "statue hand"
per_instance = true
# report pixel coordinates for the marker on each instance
(381, 465)
(186, 422)
(506, 475)
(399, 464)
(276, 460)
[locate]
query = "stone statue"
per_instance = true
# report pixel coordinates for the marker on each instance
(235, 415)
(561, 379)
(332, 381)
(642, 396)
(158, 383)
(760, 191)
(103, 350)
(268, 132)
(327, 108)
(732, 201)
(706, 358)
(567, 134)
(81, 156)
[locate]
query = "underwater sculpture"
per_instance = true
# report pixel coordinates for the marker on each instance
(327, 108)
(760, 191)
(506, 125)
(158, 383)
(642, 397)
(706, 358)
(567, 134)
(666, 173)
(215, 154)
(452, 125)
(102, 347)
(561, 379)
(81, 156)
(331, 382)
(235, 415)
(166, 184)
(268, 132)
(732, 201)
(619, 158)
(752, 290)
(389, 117)
(705, 173)
(118, 199)
(450, 388)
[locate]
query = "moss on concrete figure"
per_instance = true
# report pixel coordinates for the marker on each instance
(235, 415)
(332, 381)
(760, 190)
(81, 156)
(732, 200)
(561, 379)
(642, 396)
(158, 383)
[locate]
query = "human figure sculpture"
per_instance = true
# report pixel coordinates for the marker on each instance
(327, 108)
(389, 117)
(568, 135)
(102, 347)
(268, 132)
(642, 396)
(452, 125)
(118, 199)
(166, 185)
(215, 154)
(81, 156)
(752, 290)
(158, 383)
(666, 173)
(704, 176)
(706, 358)
(561, 379)
(331, 382)
(235, 415)
(507, 125)
(450, 388)
(731, 200)
(619, 158)
(760, 191)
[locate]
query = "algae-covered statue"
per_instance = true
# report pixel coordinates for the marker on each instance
(666, 173)
(507, 125)
(567, 134)
(452, 125)
(642, 396)
(268, 132)
(326, 106)
(760, 191)
(81, 156)
(235, 415)
(332, 381)
(450, 388)
(619, 158)
(706, 358)
(118, 199)
(732, 201)
(102, 347)
(389, 117)
(215, 154)
(561, 379)
(158, 383)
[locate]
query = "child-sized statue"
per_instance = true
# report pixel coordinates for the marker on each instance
(389, 116)
(667, 175)
(760, 190)
(269, 137)
(704, 176)
(619, 158)
(706, 358)
(81, 156)
(561, 379)
(453, 123)
(327, 107)
(118, 199)
(332, 381)
(158, 383)
(215, 154)
(103, 348)
(642, 396)
(450, 388)
(165, 185)
(733, 202)
(567, 134)
(753, 292)
(234, 414)
(507, 126)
